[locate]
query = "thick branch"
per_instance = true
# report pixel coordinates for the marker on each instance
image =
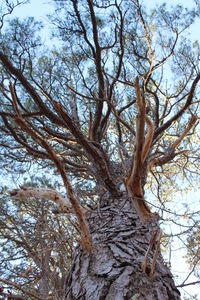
(92, 151)
(148, 139)
(134, 181)
(99, 105)
(85, 234)
(43, 193)
(140, 123)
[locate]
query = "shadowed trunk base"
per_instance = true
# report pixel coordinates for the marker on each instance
(112, 271)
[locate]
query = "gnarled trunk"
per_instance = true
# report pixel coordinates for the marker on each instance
(113, 269)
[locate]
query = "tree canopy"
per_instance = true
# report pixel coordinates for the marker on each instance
(110, 104)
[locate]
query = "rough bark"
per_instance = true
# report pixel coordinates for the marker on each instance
(113, 271)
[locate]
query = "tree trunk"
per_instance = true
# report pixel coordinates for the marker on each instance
(113, 271)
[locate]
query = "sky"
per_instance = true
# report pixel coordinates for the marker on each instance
(39, 9)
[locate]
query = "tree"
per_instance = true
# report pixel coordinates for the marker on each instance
(98, 110)
(36, 247)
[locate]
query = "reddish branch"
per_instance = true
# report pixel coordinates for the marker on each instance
(185, 132)
(148, 139)
(134, 181)
(85, 234)
(92, 151)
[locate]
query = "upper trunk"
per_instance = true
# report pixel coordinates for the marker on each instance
(113, 270)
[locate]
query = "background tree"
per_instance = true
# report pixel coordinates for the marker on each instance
(98, 110)
(36, 248)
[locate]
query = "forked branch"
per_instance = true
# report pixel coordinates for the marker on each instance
(85, 234)
(134, 181)
(140, 124)
(170, 152)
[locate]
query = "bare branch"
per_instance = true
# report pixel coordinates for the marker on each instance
(185, 132)
(43, 193)
(148, 139)
(134, 181)
(181, 111)
(85, 234)
(170, 153)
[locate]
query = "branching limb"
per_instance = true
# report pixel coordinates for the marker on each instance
(85, 234)
(148, 139)
(185, 132)
(30, 89)
(181, 111)
(88, 147)
(134, 181)
(93, 153)
(170, 153)
(43, 193)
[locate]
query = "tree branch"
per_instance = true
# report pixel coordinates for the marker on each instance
(148, 139)
(99, 105)
(185, 132)
(134, 181)
(170, 153)
(43, 193)
(30, 89)
(85, 234)
(181, 111)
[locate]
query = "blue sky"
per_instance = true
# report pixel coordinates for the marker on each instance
(39, 9)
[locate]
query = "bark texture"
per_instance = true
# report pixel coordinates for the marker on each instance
(112, 271)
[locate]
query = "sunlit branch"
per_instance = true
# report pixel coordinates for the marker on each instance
(185, 132)
(85, 234)
(148, 139)
(134, 181)
(44, 194)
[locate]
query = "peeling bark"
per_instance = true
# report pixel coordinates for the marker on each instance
(113, 271)
(43, 194)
